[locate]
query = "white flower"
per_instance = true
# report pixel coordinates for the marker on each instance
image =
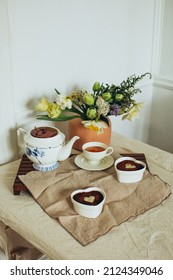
(133, 112)
(63, 102)
(103, 106)
(95, 126)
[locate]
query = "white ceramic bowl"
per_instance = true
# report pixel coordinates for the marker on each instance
(129, 176)
(89, 211)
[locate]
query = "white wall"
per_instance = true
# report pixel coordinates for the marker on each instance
(8, 144)
(161, 128)
(68, 44)
(166, 58)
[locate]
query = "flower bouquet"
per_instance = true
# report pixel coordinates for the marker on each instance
(94, 108)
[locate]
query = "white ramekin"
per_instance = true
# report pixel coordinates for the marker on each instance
(89, 211)
(129, 176)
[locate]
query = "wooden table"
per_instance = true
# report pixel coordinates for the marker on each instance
(149, 236)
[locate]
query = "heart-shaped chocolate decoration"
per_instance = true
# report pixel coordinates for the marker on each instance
(93, 197)
(130, 165)
(90, 198)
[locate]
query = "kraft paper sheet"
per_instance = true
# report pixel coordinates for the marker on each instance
(52, 192)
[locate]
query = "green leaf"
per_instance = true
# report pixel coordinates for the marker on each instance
(60, 118)
(104, 119)
(57, 91)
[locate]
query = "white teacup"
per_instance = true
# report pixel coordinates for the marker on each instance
(94, 152)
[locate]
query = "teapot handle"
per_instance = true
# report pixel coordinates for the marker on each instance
(22, 130)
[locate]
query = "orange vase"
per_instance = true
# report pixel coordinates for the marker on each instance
(75, 127)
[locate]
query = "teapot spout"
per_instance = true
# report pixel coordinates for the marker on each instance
(65, 151)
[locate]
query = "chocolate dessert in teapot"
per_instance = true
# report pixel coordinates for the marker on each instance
(44, 132)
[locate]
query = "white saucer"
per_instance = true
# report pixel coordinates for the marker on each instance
(81, 162)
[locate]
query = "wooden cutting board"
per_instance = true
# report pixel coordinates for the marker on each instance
(24, 167)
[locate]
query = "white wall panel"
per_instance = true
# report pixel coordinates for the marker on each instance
(166, 59)
(161, 128)
(69, 44)
(8, 144)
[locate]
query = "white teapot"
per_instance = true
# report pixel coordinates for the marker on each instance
(44, 146)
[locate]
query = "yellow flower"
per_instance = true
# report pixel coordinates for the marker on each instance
(53, 110)
(133, 112)
(95, 126)
(43, 105)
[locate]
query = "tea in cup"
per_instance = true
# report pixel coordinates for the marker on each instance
(95, 152)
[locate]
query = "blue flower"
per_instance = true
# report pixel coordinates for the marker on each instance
(115, 109)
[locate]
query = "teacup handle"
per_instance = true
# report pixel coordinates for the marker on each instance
(109, 151)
